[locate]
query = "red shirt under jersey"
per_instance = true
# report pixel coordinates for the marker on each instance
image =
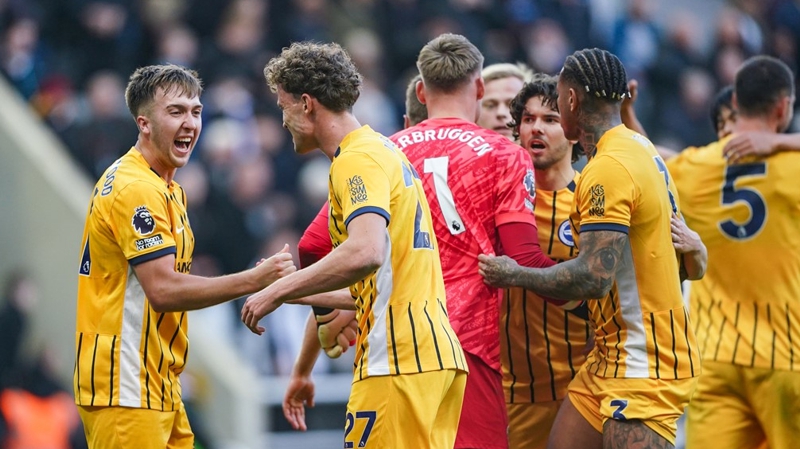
(476, 181)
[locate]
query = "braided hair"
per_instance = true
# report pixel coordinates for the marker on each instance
(598, 73)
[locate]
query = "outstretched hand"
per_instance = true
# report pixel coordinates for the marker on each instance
(497, 271)
(299, 394)
(263, 303)
(277, 266)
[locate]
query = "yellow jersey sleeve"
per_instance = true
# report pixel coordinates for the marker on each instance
(357, 188)
(140, 222)
(605, 197)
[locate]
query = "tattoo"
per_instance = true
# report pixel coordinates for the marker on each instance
(608, 258)
(589, 276)
(594, 123)
(632, 434)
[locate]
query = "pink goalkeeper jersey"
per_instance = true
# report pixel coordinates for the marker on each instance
(475, 180)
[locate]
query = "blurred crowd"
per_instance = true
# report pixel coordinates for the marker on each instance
(248, 192)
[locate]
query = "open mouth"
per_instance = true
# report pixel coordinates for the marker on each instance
(183, 143)
(538, 145)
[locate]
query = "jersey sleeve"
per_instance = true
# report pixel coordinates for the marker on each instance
(515, 187)
(141, 223)
(316, 240)
(605, 196)
(360, 185)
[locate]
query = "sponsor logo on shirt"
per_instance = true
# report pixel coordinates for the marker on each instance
(597, 203)
(358, 191)
(142, 221)
(149, 242)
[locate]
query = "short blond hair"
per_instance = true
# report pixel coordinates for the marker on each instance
(448, 62)
(507, 70)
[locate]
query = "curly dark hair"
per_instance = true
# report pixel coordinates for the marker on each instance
(540, 85)
(324, 71)
(597, 73)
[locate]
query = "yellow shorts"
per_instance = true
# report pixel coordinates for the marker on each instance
(405, 411)
(657, 403)
(739, 407)
(529, 424)
(136, 428)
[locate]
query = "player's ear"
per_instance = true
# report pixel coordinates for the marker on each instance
(143, 123)
(420, 89)
(479, 83)
(308, 103)
(406, 121)
(784, 109)
(574, 100)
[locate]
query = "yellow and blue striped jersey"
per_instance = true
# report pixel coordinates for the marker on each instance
(126, 353)
(746, 310)
(401, 308)
(642, 328)
(542, 345)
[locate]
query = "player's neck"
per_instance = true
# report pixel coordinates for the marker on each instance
(744, 124)
(457, 106)
(150, 156)
(333, 129)
(557, 177)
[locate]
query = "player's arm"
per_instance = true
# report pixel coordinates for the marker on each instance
(328, 301)
(168, 290)
(759, 143)
(313, 246)
(300, 391)
(588, 276)
(521, 242)
(358, 256)
(692, 251)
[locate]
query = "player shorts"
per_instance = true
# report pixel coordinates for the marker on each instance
(484, 423)
(741, 407)
(405, 411)
(529, 424)
(657, 403)
(136, 428)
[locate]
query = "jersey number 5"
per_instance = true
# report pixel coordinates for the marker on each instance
(751, 197)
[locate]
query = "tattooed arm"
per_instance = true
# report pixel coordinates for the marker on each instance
(589, 276)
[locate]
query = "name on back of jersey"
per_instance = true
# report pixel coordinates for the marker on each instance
(477, 143)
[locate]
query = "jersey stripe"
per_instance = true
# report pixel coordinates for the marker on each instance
(130, 393)
(636, 364)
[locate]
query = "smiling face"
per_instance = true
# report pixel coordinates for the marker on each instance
(170, 125)
(495, 112)
(296, 121)
(540, 133)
